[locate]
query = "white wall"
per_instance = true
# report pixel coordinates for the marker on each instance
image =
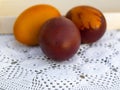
(15, 7)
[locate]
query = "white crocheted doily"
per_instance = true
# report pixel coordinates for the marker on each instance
(94, 67)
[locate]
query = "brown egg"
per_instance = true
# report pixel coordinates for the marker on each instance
(90, 22)
(59, 38)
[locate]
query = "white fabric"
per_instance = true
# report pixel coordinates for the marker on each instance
(94, 67)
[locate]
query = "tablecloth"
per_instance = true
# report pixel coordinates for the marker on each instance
(95, 66)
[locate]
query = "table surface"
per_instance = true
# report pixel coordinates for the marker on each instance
(94, 67)
(7, 22)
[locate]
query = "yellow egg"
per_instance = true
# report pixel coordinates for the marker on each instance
(29, 22)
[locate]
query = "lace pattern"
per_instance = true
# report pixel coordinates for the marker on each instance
(94, 67)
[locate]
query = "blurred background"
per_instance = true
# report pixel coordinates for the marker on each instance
(15, 7)
(10, 9)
